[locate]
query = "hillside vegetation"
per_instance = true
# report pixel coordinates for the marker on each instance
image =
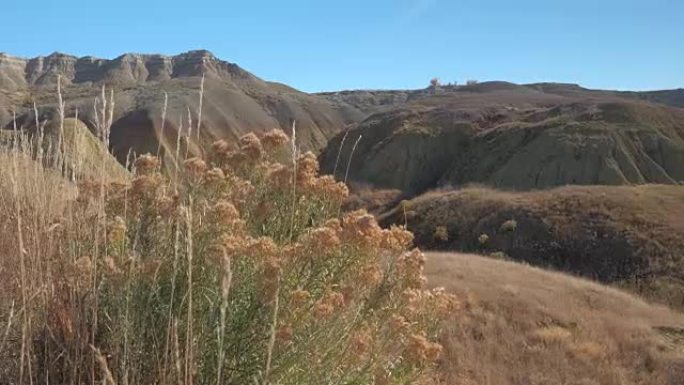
(626, 236)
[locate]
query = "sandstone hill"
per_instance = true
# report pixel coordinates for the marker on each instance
(235, 101)
(513, 137)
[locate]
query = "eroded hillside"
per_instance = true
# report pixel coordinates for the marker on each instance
(515, 137)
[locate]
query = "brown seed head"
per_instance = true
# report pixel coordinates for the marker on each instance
(146, 185)
(321, 240)
(195, 166)
(146, 164)
(398, 324)
(279, 175)
(421, 351)
(250, 145)
(221, 148)
(274, 140)
(396, 239)
(225, 212)
(327, 187)
(307, 164)
(411, 265)
(371, 275)
(213, 176)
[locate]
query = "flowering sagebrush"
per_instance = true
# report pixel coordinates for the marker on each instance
(237, 270)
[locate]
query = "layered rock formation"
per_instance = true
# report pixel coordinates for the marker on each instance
(235, 101)
(17, 73)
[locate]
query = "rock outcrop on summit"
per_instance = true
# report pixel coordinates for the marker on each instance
(235, 101)
(128, 69)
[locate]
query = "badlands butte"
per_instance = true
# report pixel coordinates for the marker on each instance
(555, 175)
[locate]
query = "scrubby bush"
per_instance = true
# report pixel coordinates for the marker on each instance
(441, 234)
(509, 226)
(237, 269)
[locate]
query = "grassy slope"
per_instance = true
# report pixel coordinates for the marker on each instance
(523, 325)
(82, 151)
(630, 236)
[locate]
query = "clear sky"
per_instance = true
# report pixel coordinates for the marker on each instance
(319, 45)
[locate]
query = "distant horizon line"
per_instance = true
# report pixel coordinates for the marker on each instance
(8, 55)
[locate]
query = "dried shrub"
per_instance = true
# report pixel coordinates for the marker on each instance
(238, 269)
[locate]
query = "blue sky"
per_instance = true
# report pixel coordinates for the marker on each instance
(319, 45)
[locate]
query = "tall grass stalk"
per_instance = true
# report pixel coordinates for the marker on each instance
(339, 153)
(26, 331)
(189, 344)
(351, 156)
(162, 125)
(199, 109)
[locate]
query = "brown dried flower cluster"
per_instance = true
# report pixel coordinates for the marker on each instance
(326, 306)
(213, 176)
(411, 266)
(250, 145)
(146, 164)
(274, 140)
(195, 167)
(322, 240)
(421, 351)
(300, 298)
(361, 341)
(326, 186)
(146, 185)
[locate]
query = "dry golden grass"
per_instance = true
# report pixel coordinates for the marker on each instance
(526, 326)
(43, 189)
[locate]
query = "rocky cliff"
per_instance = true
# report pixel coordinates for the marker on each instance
(128, 69)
